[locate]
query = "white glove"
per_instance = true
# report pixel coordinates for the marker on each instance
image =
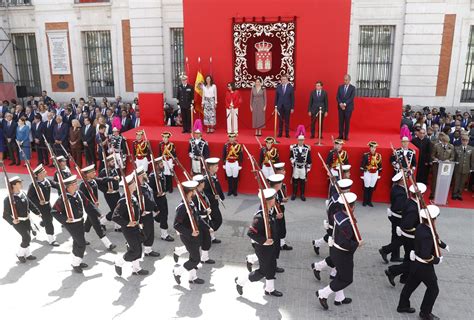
(308, 170)
(412, 255)
(440, 260)
(326, 224)
(397, 166)
(240, 168)
(223, 167)
(191, 155)
(389, 212)
(447, 248)
(292, 161)
(330, 241)
(399, 232)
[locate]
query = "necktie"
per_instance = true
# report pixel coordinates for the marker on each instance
(123, 122)
(345, 89)
(284, 88)
(319, 93)
(464, 149)
(87, 128)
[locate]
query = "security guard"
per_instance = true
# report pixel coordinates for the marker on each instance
(371, 167)
(442, 151)
(140, 151)
(167, 151)
(300, 157)
(213, 191)
(198, 147)
(402, 155)
(268, 156)
(232, 158)
(336, 158)
(464, 157)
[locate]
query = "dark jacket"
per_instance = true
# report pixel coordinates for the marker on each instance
(285, 100)
(315, 102)
(347, 98)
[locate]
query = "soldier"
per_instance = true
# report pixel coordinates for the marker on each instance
(268, 156)
(442, 151)
(424, 259)
(213, 191)
(167, 151)
(140, 151)
(465, 164)
(342, 254)
(160, 199)
(119, 145)
(408, 223)
(185, 102)
(398, 198)
(371, 167)
(300, 157)
(101, 141)
(20, 207)
(282, 198)
(65, 171)
(185, 224)
(402, 155)
(127, 215)
(337, 158)
(197, 148)
(232, 158)
(264, 248)
(204, 222)
(73, 220)
(43, 205)
(111, 188)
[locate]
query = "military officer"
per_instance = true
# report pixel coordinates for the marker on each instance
(167, 151)
(300, 157)
(336, 158)
(140, 150)
(402, 155)
(268, 157)
(371, 167)
(442, 151)
(232, 157)
(198, 148)
(464, 156)
(185, 102)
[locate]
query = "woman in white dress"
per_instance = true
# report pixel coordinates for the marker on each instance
(209, 103)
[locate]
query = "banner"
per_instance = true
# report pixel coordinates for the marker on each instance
(59, 52)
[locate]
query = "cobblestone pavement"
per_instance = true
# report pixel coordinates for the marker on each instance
(47, 289)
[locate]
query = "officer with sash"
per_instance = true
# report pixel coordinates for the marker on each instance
(371, 166)
(300, 157)
(232, 158)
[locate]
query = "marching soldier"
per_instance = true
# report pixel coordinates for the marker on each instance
(43, 206)
(371, 167)
(119, 144)
(160, 199)
(398, 198)
(204, 222)
(17, 214)
(65, 171)
(197, 148)
(264, 248)
(408, 223)
(300, 157)
(232, 158)
(342, 254)
(167, 151)
(140, 151)
(101, 141)
(442, 151)
(190, 236)
(213, 191)
(402, 155)
(337, 158)
(282, 199)
(268, 156)
(111, 188)
(465, 164)
(422, 270)
(127, 215)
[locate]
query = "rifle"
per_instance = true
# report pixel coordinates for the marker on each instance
(211, 182)
(261, 185)
(405, 183)
(153, 165)
(62, 187)
(106, 167)
(11, 198)
(141, 201)
(349, 210)
(37, 188)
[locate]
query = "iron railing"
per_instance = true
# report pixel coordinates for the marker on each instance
(26, 62)
(467, 93)
(177, 56)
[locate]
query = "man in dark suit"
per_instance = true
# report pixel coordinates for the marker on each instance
(424, 146)
(345, 101)
(9, 132)
(126, 121)
(67, 116)
(49, 127)
(136, 119)
(60, 136)
(318, 101)
(285, 104)
(18, 113)
(37, 131)
(185, 102)
(29, 114)
(88, 140)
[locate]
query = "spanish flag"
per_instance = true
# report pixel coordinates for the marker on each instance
(198, 92)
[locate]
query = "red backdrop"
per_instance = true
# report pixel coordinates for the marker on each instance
(322, 44)
(151, 108)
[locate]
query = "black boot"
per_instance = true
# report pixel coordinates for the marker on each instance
(169, 183)
(369, 196)
(295, 188)
(236, 183)
(303, 186)
(364, 203)
(230, 183)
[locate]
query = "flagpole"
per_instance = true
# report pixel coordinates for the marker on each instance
(210, 66)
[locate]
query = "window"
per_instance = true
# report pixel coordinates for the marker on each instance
(26, 62)
(374, 64)
(5, 3)
(467, 93)
(99, 69)
(177, 56)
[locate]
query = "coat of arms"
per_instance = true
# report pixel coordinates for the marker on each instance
(263, 56)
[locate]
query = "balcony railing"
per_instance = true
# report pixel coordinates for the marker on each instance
(12, 3)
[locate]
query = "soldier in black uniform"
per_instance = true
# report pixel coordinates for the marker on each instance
(147, 216)
(93, 212)
(214, 196)
(198, 147)
(204, 222)
(129, 221)
(422, 268)
(276, 182)
(300, 157)
(403, 154)
(21, 223)
(342, 254)
(264, 248)
(78, 203)
(119, 145)
(406, 230)
(44, 206)
(160, 199)
(191, 238)
(185, 102)
(398, 198)
(110, 189)
(66, 172)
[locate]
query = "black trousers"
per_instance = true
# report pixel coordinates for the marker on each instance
(192, 244)
(169, 183)
(13, 152)
(148, 230)
(76, 230)
(284, 119)
(112, 199)
(281, 227)
(47, 218)
(216, 215)
(314, 121)
(422, 173)
(404, 267)
(329, 261)
(134, 243)
(89, 152)
(344, 263)
(162, 217)
(93, 221)
(267, 263)
(24, 228)
(43, 156)
(186, 119)
(205, 236)
(420, 272)
(58, 151)
(396, 242)
(344, 122)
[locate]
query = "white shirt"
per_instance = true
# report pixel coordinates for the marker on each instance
(209, 92)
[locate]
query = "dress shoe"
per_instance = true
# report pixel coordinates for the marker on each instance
(345, 301)
(461, 199)
(216, 241)
(370, 204)
(431, 197)
(177, 278)
(396, 259)
(209, 261)
(54, 244)
(287, 135)
(303, 198)
(249, 266)
(235, 194)
(103, 227)
(141, 272)
(168, 238)
(428, 316)
(22, 259)
(390, 276)
(316, 249)
(31, 257)
(286, 247)
(279, 270)
(364, 204)
(118, 270)
(405, 310)
(77, 269)
(279, 135)
(83, 265)
(111, 247)
(87, 243)
(274, 293)
(384, 255)
(118, 229)
(317, 274)
(229, 193)
(339, 137)
(153, 254)
(240, 289)
(322, 301)
(197, 281)
(175, 257)
(293, 197)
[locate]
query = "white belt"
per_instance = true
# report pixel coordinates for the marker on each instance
(46, 202)
(407, 235)
(23, 218)
(396, 215)
(145, 213)
(420, 260)
(339, 247)
(77, 220)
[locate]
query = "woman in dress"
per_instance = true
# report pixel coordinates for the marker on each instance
(23, 138)
(209, 103)
(258, 105)
(75, 141)
(233, 100)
